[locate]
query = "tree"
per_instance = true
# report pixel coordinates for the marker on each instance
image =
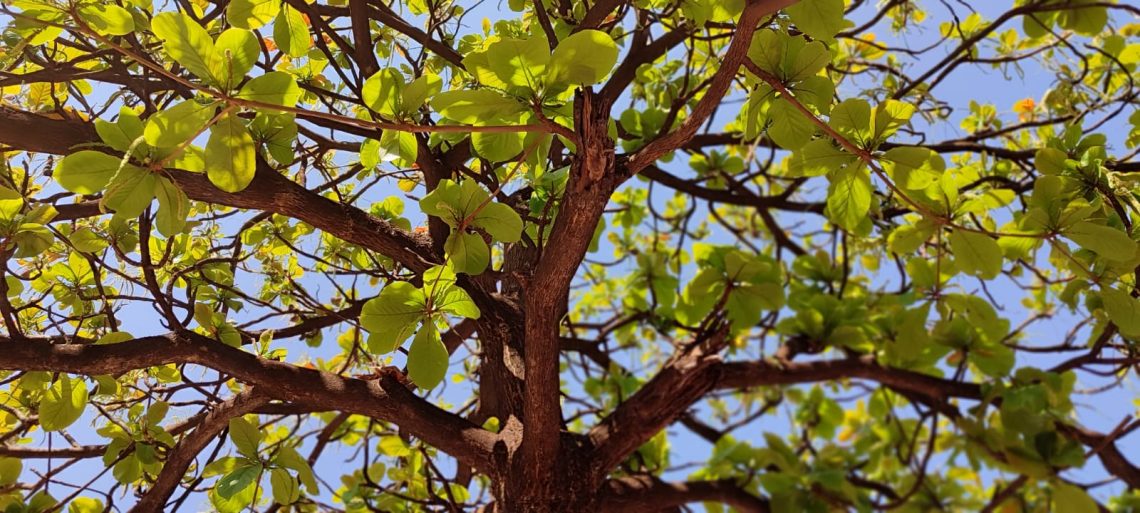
(642, 225)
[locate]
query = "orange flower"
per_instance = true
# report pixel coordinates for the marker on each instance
(1025, 106)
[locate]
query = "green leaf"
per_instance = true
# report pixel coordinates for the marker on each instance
(240, 499)
(239, 480)
(121, 134)
(1123, 310)
(889, 117)
(994, 361)
(976, 253)
(716, 11)
(231, 158)
(62, 403)
(130, 192)
(11, 203)
(498, 147)
(427, 358)
(1050, 161)
(107, 19)
(235, 53)
(852, 119)
(820, 157)
(173, 207)
(289, 458)
(85, 505)
(453, 202)
(748, 301)
(251, 14)
(468, 252)
(392, 316)
(439, 283)
(849, 196)
(273, 88)
(416, 93)
(1067, 498)
(479, 107)
(86, 172)
(178, 124)
(1037, 25)
(519, 63)
(185, 41)
(500, 221)
(584, 58)
(291, 33)
(245, 436)
(278, 132)
(1088, 21)
(381, 92)
(10, 469)
(790, 128)
(1106, 241)
(913, 167)
(128, 469)
(399, 146)
(820, 19)
(286, 490)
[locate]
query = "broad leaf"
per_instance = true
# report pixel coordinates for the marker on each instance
(273, 88)
(291, 32)
(231, 158)
(820, 19)
(235, 53)
(179, 124)
(63, 403)
(849, 196)
(976, 253)
(584, 58)
(107, 19)
(251, 14)
(1106, 241)
(186, 42)
(392, 316)
(427, 358)
(87, 171)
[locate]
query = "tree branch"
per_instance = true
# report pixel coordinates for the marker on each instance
(270, 191)
(735, 56)
(646, 494)
(187, 449)
(384, 399)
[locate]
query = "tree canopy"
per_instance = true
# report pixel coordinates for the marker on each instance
(569, 256)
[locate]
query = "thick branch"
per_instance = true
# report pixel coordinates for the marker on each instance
(385, 399)
(270, 191)
(684, 380)
(639, 418)
(645, 494)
